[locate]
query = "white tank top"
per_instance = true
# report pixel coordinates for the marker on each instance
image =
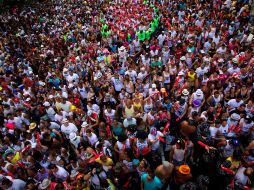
(166, 78)
(148, 107)
(141, 145)
(178, 154)
(122, 147)
(216, 100)
(128, 88)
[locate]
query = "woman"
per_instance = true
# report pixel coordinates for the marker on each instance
(166, 78)
(91, 95)
(178, 153)
(137, 104)
(148, 105)
(244, 93)
(128, 85)
(231, 94)
(158, 79)
(141, 144)
(122, 145)
(117, 128)
(129, 109)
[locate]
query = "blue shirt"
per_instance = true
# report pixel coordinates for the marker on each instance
(151, 185)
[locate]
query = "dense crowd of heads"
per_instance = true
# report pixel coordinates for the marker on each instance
(127, 95)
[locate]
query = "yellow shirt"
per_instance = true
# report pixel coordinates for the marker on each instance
(108, 162)
(191, 76)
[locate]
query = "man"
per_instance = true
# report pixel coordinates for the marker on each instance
(129, 121)
(67, 128)
(164, 172)
(243, 175)
(118, 83)
(59, 172)
(12, 184)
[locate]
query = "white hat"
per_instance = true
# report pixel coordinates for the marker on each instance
(183, 58)
(121, 48)
(221, 60)
(99, 75)
(51, 96)
(41, 83)
(89, 113)
(235, 60)
(153, 85)
(65, 69)
(202, 51)
(84, 124)
(72, 136)
(185, 92)
(46, 104)
(64, 121)
(95, 78)
(64, 94)
(199, 92)
(45, 184)
(71, 85)
(28, 99)
(181, 73)
(235, 116)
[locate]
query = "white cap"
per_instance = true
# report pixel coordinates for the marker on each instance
(46, 104)
(199, 92)
(72, 136)
(235, 60)
(84, 124)
(153, 85)
(183, 58)
(181, 73)
(51, 96)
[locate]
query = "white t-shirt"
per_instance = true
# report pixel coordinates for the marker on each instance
(93, 139)
(61, 173)
(111, 115)
(151, 137)
(118, 84)
(66, 107)
(240, 177)
(234, 104)
(69, 129)
(17, 184)
(213, 131)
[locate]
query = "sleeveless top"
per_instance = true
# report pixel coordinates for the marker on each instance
(191, 76)
(129, 112)
(178, 154)
(166, 78)
(148, 107)
(141, 145)
(122, 147)
(128, 88)
(216, 100)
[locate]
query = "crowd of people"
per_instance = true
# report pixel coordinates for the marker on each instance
(127, 95)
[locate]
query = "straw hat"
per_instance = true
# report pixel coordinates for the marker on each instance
(185, 92)
(45, 184)
(32, 126)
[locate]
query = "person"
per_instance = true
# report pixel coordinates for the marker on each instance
(164, 172)
(15, 184)
(149, 181)
(59, 172)
(127, 80)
